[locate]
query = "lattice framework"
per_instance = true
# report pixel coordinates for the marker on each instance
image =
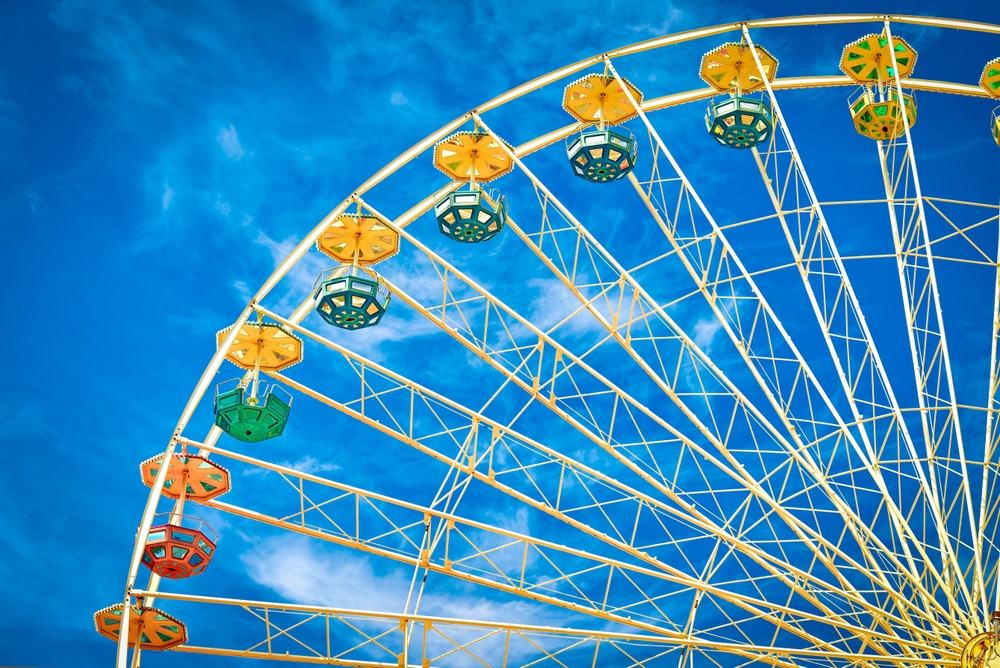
(905, 581)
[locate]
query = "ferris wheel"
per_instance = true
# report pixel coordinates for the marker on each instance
(727, 415)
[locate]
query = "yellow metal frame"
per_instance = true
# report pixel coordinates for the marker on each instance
(925, 624)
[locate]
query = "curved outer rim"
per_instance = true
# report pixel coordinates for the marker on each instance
(538, 143)
(665, 101)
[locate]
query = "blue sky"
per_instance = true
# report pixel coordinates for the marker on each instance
(157, 161)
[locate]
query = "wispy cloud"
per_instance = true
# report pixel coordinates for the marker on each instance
(222, 207)
(230, 143)
(554, 302)
(705, 331)
(168, 196)
(672, 17)
(198, 192)
(302, 571)
(36, 204)
(243, 290)
(304, 464)
(309, 464)
(298, 283)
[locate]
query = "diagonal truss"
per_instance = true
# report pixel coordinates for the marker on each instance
(989, 503)
(778, 366)
(939, 418)
(486, 555)
(470, 316)
(574, 493)
(342, 637)
(757, 498)
(852, 349)
(631, 316)
(506, 560)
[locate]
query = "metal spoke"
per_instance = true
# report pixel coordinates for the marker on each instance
(719, 275)
(438, 434)
(506, 560)
(759, 497)
(929, 348)
(865, 382)
(338, 636)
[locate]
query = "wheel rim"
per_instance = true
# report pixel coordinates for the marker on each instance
(897, 633)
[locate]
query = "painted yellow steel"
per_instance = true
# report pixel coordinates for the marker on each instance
(490, 556)
(327, 642)
(551, 137)
(543, 387)
(356, 538)
(358, 238)
(275, 348)
(472, 156)
(731, 66)
(687, 36)
(846, 330)
(503, 438)
(990, 78)
(715, 293)
(597, 99)
(621, 319)
(500, 433)
(981, 652)
(868, 60)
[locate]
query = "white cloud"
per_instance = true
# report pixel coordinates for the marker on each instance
(309, 464)
(230, 143)
(705, 331)
(300, 570)
(518, 522)
(398, 98)
(247, 538)
(306, 464)
(403, 325)
(298, 282)
(36, 203)
(554, 302)
(670, 21)
(294, 567)
(168, 196)
(222, 207)
(243, 289)
(279, 249)
(215, 519)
